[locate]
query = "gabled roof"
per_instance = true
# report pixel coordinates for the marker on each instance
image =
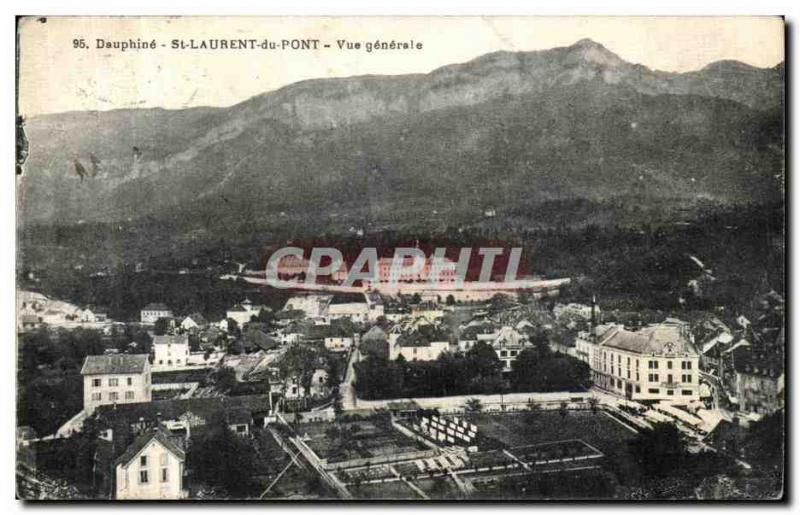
(143, 440)
(172, 409)
(114, 364)
(658, 339)
(197, 318)
(260, 339)
(171, 339)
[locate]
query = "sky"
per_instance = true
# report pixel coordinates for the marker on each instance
(57, 75)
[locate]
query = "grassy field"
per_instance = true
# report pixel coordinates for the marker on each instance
(363, 439)
(529, 428)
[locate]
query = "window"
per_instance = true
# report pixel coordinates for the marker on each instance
(143, 479)
(669, 365)
(161, 362)
(130, 381)
(143, 460)
(670, 392)
(97, 396)
(686, 392)
(669, 378)
(638, 389)
(113, 396)
(688, 365)
(113, 382)
(97, 382)
(241, 428)
(653, 378)
(653, 390)
(652, 364)
(164, 477)
(503, 354)
(686, 378)
(128, 396)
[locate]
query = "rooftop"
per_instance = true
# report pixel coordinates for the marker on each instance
(171, 339)
(657, 339)
(115, 364)
(144, 439)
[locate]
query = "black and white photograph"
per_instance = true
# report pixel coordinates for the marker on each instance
(400, 258)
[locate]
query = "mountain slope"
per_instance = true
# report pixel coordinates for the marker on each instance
(505, 128)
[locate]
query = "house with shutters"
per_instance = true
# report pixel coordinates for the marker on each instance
(151, 468)
(115, 379)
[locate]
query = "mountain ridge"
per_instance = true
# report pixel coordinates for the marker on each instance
(265, 143)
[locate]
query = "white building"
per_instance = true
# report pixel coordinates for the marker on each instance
(153, 311)
(193, 321)
(657, 363)
(151, 468)
(115, 379)
(357, 312)
(315, 307)
(171, 350)
(244, 312)
(507, 343)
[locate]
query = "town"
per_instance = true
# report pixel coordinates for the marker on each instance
(376, 395)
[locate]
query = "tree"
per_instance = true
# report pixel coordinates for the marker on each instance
(450, 300)
(562, 410)
(473, 406)
(219, 458)
(483, 361)
(299, 363)
(224, 378)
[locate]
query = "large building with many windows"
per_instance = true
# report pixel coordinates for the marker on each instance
(115, 379)
(656, 363)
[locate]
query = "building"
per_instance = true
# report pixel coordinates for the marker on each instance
(171, 350)
(194, 321)
(314, 306)
(152, 467)
(243, 312)
(759, 380)
(657, 363)
(153, 311)
(29, 323)
(425, 343)
(507, 342)
(115, 379)
(358, 312)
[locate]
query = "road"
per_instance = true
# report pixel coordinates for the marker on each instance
(347, 389)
